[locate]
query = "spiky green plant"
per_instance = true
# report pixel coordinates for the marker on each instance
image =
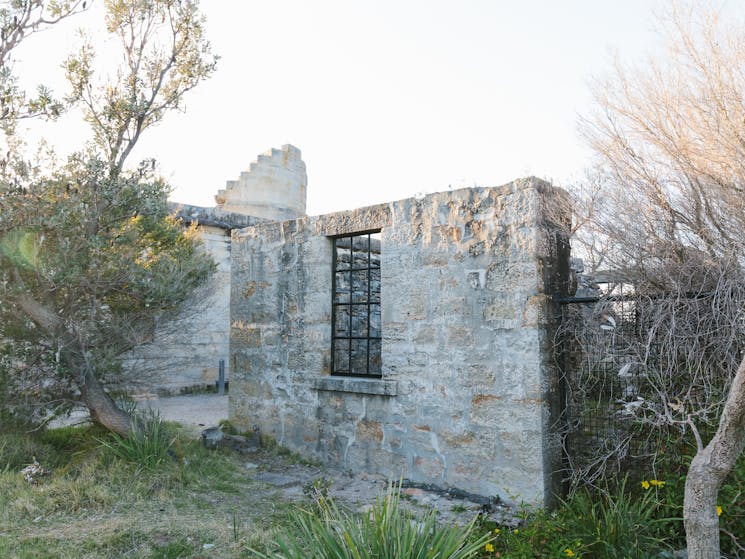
(609, 523)
(148, 446)
(386, 532)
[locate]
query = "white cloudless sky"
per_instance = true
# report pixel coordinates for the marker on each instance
(385, 98)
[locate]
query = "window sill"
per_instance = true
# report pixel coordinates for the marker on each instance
(378, 387)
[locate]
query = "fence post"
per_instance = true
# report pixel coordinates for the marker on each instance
(221, 378)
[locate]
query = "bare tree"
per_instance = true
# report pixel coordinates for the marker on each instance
(670, 144)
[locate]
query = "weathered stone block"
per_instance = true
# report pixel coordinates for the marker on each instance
(369, 432)
(213, 438)
(243, 335)
(424, 334)
(428, 468)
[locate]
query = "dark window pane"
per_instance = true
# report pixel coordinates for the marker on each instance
(375, 321)
(362, 247)
(375, 250)
(356, 300)
(341, 294)
(343, 254)
(375, 356)
(359, 321)
(341, 321)
(341, 357)
(359, 357)
(375, 286)
(359, 286)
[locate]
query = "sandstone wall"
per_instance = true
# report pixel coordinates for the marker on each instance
(185, 352)
(467, 394)
(273, 187)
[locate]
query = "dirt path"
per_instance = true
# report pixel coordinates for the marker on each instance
(195, 412)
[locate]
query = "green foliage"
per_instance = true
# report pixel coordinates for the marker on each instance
(5, 415)
(270, 444)
(228, 428)
(87, 475)
(53, 448)
(17, 451)
(105, 252)
(90, 235)
(89, 258)
(539, 535)
(618, 522)
(732, 519)
(387, 532)
(93, 507)
(731, 501)
(18, 20)
(173, 550)
(165, 54)
(151, 443)
(609, 523)
(123, 511)
(318, 488)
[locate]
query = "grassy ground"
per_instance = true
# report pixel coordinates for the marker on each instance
(194, 503)
(94, 505)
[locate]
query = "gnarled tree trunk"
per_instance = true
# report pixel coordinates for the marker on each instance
(102, 407)
(707, 472)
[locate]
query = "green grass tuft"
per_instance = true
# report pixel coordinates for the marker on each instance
(151, 444)
(388, 531)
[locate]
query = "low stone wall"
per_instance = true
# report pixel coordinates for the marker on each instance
(467, 392)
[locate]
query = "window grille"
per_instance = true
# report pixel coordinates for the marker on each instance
(355, 308)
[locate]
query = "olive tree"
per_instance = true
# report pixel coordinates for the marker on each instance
(669, 138)
(20, 19)
(89, 257)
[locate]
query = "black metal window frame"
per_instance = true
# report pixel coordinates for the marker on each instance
(344, 342)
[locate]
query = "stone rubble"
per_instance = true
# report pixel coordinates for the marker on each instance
(358, 491)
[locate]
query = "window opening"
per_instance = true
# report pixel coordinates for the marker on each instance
(356, 340)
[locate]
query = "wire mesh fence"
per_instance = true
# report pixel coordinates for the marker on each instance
(604, 385)
(641, 371)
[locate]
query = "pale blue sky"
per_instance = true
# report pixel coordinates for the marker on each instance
(386, 98)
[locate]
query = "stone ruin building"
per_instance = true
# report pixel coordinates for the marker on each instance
(185, 353)
(410, 339)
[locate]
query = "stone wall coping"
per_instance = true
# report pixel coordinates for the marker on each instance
(379, 387)
(378, 216)
(213, 217)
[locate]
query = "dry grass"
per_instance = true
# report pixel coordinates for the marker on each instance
(94, 505)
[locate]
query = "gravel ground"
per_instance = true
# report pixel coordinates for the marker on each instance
(195, 412)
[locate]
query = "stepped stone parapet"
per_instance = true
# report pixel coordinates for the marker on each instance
(274, 187)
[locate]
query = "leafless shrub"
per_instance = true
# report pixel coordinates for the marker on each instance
(671, 168)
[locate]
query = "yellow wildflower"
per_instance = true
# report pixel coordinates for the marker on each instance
(496, 530)
(657, 483)
(645, 484)
(515, 531)
(489, 547)
(719, 510)
(569, 552)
